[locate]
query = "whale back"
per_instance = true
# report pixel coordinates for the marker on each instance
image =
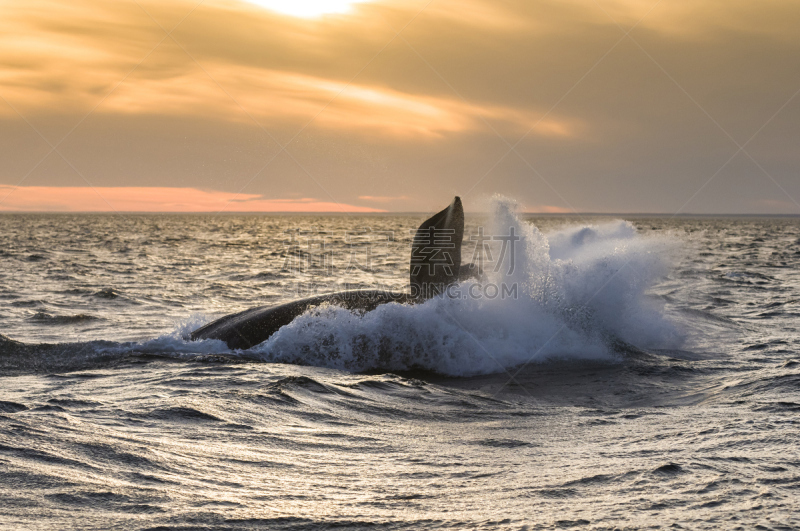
(436, 252)
(435, 263)
(249, 328)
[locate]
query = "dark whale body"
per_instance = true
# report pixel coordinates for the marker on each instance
(435, 263)
(249, 328)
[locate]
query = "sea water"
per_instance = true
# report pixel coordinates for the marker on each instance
(610, 372)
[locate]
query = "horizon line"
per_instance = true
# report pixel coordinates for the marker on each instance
(389, 213)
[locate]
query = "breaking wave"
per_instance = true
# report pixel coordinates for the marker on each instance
(576, 293)
(573, 293)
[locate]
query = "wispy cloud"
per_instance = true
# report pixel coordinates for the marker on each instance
(271, 96)
(154, 199)
(547, 209)
(383, 198)
(628, 126)
(55, 57)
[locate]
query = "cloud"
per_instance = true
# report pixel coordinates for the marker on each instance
(383, 198)
(625, 125)
(776, 206)
(272, 96)
(153, 199)
(51, 64)
(548, 209)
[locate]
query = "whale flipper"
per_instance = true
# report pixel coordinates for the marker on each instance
(435, 263)
(436, 252)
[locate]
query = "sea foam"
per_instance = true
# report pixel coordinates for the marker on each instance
(572, 293)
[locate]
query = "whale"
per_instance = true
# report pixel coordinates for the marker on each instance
(435, 264)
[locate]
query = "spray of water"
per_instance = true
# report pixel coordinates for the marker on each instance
(567, 294)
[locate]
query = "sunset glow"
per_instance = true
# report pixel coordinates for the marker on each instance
(307, 8)
(154, 199)
(554, 103)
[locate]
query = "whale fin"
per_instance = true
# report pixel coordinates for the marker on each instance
(436, 252)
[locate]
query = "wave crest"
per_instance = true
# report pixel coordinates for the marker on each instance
(575, 292)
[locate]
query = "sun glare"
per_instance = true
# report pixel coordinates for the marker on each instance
(307, 8)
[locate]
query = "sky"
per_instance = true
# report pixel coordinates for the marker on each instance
(613, 106)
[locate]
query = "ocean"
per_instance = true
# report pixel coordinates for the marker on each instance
(606, 373)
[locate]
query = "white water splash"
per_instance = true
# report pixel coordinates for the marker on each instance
(573, 292)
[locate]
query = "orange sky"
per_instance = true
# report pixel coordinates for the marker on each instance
(154, 199)
(184, 105)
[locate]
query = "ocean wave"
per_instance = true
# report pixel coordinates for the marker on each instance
(573, 294)
(46, 318)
